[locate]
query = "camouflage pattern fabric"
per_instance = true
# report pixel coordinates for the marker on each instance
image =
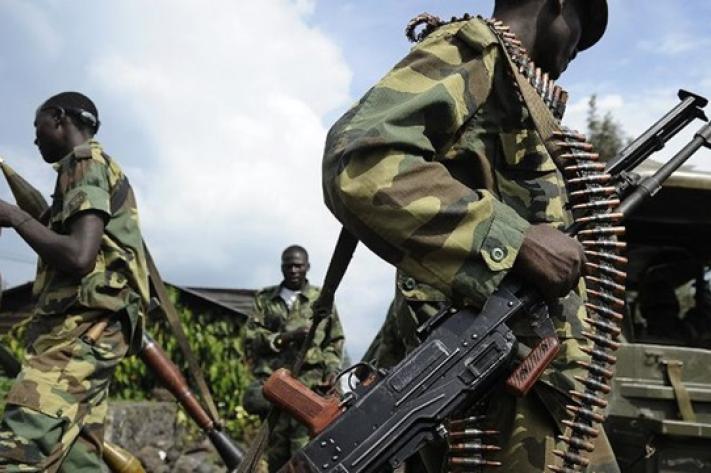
(86, 180)
(62, 388)
(64, 381)
(439, 170)
(269, 318)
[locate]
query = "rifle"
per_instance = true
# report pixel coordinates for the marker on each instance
(466, 352)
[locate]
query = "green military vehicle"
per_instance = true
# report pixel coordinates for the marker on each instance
(660, 410)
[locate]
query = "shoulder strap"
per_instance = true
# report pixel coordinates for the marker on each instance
(543, 119)
(172, 315)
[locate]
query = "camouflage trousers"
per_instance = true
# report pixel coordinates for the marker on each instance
(61, 390)
(287, 438)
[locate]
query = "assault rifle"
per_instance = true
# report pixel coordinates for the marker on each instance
(464, 352)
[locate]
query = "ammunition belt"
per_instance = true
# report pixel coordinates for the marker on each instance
(593, 202)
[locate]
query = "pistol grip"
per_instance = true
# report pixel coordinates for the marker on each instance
(304, 405)
(527, 373)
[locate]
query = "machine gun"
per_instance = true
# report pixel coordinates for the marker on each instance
(465, 352)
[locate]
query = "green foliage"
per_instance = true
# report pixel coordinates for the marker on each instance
(216, 342)
(605, 134)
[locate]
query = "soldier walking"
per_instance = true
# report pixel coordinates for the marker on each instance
(90, 292)
(439, 169)
(278, 326)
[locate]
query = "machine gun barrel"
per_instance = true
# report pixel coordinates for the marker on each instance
(652, 184)
(656, 136)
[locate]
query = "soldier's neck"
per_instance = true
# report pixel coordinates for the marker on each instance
(522, 23)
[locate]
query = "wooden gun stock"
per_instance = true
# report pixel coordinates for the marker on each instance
(304, 405)
(527, 373)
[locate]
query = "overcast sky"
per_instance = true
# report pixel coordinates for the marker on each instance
(218, 112)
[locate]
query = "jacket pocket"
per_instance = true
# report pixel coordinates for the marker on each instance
(529, 180)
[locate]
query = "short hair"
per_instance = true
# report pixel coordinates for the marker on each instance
(295, 249)
(78, 106)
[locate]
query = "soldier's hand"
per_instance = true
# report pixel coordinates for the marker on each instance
(296, 336)
(550, 260)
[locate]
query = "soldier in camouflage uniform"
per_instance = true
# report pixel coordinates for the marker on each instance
(277, 327)
(91, 270)
(439, 170)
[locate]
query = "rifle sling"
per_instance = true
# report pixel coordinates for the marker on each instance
(544, 121)
(172, 316)
(118, 196)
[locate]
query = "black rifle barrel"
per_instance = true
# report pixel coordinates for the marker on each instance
(660, 133)
(652, 184)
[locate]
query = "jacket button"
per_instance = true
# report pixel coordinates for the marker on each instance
(409, 284)
(498, 254)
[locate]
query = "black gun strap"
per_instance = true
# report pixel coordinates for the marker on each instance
(322, 308)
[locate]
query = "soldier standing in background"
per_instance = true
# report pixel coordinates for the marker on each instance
(440, 170)
(91, 275)
(277, 327)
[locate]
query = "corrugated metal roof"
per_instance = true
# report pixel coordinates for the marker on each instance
(238, 300)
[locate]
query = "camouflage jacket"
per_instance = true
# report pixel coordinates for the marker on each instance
(271, 316)
(87, 179)
(439, 168)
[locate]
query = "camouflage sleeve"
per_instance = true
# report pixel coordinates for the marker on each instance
(83, 183)
(258, 339)
(332, 346)
(382, 177)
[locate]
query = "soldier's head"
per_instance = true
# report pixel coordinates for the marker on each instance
(554, 31)
(62, 122)
(294, 266)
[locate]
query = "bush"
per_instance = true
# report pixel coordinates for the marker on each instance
(217, 344)
(215, 339)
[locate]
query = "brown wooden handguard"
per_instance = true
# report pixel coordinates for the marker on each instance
(304, 405)
(527, 373)
(171, 377)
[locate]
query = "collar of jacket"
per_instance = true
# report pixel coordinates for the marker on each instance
(308, 292)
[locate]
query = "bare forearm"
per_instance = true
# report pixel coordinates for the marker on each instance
(63, 252)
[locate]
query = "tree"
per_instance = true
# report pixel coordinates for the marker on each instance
(605, 134)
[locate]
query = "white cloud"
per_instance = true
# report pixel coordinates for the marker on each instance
(35, 24)
(673, 44)
(233, 105)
